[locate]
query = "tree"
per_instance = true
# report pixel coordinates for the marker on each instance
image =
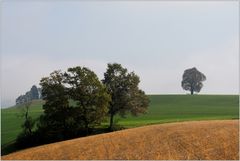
(20, 100)
(28, 121)
(53, 122)
(29, 96)
(124, 91)
(75, 101)
(25, 138)
(192, 80)
(89, 94)
(34, 93)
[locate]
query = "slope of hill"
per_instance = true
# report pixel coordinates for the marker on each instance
(11, 120)
(162, 108)
(208, 140)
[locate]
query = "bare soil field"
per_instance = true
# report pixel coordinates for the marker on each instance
(207, 140)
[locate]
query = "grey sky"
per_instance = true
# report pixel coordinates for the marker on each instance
(158, 40)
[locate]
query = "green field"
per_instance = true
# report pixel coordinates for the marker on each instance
(11, 120)
(163, 108)
(173, 108)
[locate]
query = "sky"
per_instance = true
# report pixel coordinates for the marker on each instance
(157, 40)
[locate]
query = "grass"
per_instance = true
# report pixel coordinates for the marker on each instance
(162, 109)
(198, 140)
(173, 108)
(11, 120)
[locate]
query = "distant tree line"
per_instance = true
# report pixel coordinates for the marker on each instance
(34, 93)
(77, 102)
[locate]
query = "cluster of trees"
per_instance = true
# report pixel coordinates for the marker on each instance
(76, 101)
(34, 93)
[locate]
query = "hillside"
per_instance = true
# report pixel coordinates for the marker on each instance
(208, 140)
(11, 120)
(162, 108)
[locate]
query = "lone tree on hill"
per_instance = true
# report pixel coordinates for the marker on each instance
(124, 91)
(192, 80)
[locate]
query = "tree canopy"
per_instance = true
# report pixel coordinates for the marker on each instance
(54, 121)
(89, 94)
(125, 93)
(76, 101)
(192, 80)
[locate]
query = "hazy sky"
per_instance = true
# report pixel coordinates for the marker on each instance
(158, 40)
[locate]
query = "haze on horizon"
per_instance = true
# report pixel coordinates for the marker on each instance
(157, 40)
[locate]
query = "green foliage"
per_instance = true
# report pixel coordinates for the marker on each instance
(28, 123)
(62, 119)
(12, 120)
(53, 123)
(25, 137)
(192, 80)
(90, 96)
(124, 91)
(139, 103)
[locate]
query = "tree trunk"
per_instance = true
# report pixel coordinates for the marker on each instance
(111, 122)
(191, 91)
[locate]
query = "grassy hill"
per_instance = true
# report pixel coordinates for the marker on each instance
(163, 108)
(11, 120)
(172, 108)
(197, 140)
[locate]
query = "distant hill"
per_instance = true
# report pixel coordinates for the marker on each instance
(198, 140)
